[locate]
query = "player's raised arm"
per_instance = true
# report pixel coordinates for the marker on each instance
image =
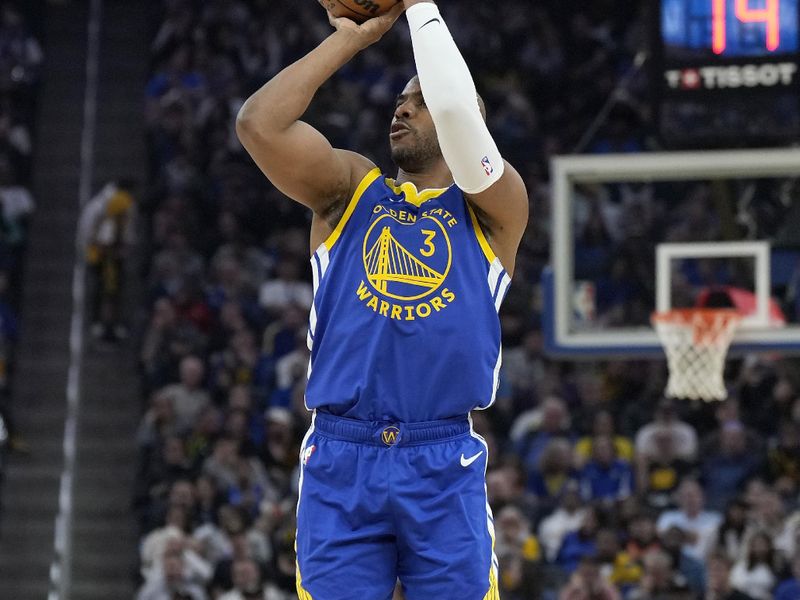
(294, 156)
(489, 183)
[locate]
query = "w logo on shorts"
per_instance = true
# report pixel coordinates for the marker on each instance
(390, 435)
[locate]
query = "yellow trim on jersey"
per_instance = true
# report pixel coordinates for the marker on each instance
(302, 594)
(494, 591)
(351, 206)
(476, 226)
(412, 195)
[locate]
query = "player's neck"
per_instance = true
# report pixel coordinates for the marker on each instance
(434, 178)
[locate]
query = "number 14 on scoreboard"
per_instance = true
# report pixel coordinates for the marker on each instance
(769, 15)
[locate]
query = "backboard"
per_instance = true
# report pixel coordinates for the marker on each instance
(636, 233)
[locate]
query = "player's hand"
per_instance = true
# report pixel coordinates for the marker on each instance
(370, 31)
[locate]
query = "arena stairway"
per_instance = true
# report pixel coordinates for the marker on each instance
(104, 546)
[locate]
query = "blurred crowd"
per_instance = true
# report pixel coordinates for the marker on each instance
(601, 489)
(20, 64)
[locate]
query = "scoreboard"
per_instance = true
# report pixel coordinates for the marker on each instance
(726, 71)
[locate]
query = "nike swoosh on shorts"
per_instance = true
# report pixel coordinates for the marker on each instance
(465, 462)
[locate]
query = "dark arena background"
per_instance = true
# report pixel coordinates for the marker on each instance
(155, 291)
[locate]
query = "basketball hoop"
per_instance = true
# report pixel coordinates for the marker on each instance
(696, 341)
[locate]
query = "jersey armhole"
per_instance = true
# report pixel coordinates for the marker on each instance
(368, 179)
(482, 241)
(498, 279)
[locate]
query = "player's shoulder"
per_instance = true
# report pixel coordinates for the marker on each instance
(359, 166)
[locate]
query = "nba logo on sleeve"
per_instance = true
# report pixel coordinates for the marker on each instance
(487, 165)
(307, 454)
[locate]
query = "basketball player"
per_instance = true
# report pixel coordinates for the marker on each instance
(405, 339)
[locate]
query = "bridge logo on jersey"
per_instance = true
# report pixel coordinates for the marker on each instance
(407, 258)
(409, 269)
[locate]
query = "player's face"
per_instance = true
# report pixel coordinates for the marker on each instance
(413, 136)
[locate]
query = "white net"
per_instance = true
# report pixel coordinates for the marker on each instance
(696, 342)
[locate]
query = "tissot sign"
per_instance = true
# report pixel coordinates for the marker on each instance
(714, 57)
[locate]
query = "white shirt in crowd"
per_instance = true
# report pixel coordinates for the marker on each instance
(756, 582)
(703, 527)
(554, 528)
(278, 294)
(684, 439)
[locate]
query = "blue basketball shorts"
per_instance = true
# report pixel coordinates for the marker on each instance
(382, 501)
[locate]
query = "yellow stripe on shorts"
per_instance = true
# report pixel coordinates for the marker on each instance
(494, 592)
(302, 594)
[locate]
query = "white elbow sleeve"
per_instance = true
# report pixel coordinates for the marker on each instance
(451, 97)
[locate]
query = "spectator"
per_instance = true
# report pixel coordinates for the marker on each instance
(247, 583)
(222, 466)
(693, 571)
(170, 581)
(700, 526)
(161, 468)
(719, 586)
(9, 334)
(725, 470)
(200, 441)
(755, 574)
(642, 537)
(169, 540)
(784, 458)
(579, 544)
(603, 425)
(789, 589)
(732, 530)
(788, 539)
(107, 231)
(505, 485)
(524, 366)
(766, 516)
(586, 583)
(605, 477)
(660, 580)
(158, 422)
(280, 445)
(658, 475)
(291, 371)
(616, 565)
(189, 397)
(519, 553)
(683, 436)
(566, 518)
(729, 412)
(16, 207)
(286, 289)
(514, 535)
(533, 430)
(549, 482)
(233, 541)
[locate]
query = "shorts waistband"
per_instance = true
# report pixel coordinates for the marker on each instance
(390, 433)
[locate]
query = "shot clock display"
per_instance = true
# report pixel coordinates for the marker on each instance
(729, 28)
(727, 70)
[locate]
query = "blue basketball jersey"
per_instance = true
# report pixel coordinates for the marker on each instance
(404, 325)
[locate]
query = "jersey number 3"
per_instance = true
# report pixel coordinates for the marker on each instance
(429, 248)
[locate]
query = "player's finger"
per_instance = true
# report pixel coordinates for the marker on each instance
(395, 12)
(339, 22)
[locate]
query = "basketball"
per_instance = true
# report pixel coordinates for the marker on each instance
(358, 10)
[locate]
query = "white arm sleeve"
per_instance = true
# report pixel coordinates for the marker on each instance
(449, 92)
